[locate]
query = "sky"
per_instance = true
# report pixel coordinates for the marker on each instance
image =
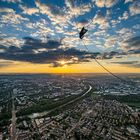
(42, 36)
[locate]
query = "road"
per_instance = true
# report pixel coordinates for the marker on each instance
(13, 129)
(90, 88)
(72, 101)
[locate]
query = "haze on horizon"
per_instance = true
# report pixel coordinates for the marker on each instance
(41, 36)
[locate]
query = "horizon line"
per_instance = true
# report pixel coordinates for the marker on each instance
(67, 73)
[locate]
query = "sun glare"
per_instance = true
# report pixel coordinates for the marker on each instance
(62, 62)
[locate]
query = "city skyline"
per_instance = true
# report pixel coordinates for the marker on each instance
(43, 36)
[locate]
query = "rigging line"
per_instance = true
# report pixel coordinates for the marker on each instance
(80, 11)
(89, 24)
(94, 57)
(121, 79)
(105, 67)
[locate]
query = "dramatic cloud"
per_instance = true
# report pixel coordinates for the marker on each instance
(5, 63)
(29, 11)
(135, 64)
(32, 51)
(53, 27)
(50, 52)
(11, 41)
(12, 18)
(124, 16)
(101, 20)
(70, 3)
(126, 33)
(56, 14)
(111, 41)
(132, 45)
(76, 10)
(127, 1)
(105, 3)
(6, 10)
(135, 8)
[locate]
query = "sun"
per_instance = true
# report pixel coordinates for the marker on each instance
(62, 62)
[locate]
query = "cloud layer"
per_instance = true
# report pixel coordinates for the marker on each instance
(47, 32)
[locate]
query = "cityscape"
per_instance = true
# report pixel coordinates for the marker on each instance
(69, 69)
(69, 106)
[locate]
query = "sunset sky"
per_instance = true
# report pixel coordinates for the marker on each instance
(42, 36)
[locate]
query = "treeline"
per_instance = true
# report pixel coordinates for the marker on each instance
(4, 119)
(132, 99)
(45, 105)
